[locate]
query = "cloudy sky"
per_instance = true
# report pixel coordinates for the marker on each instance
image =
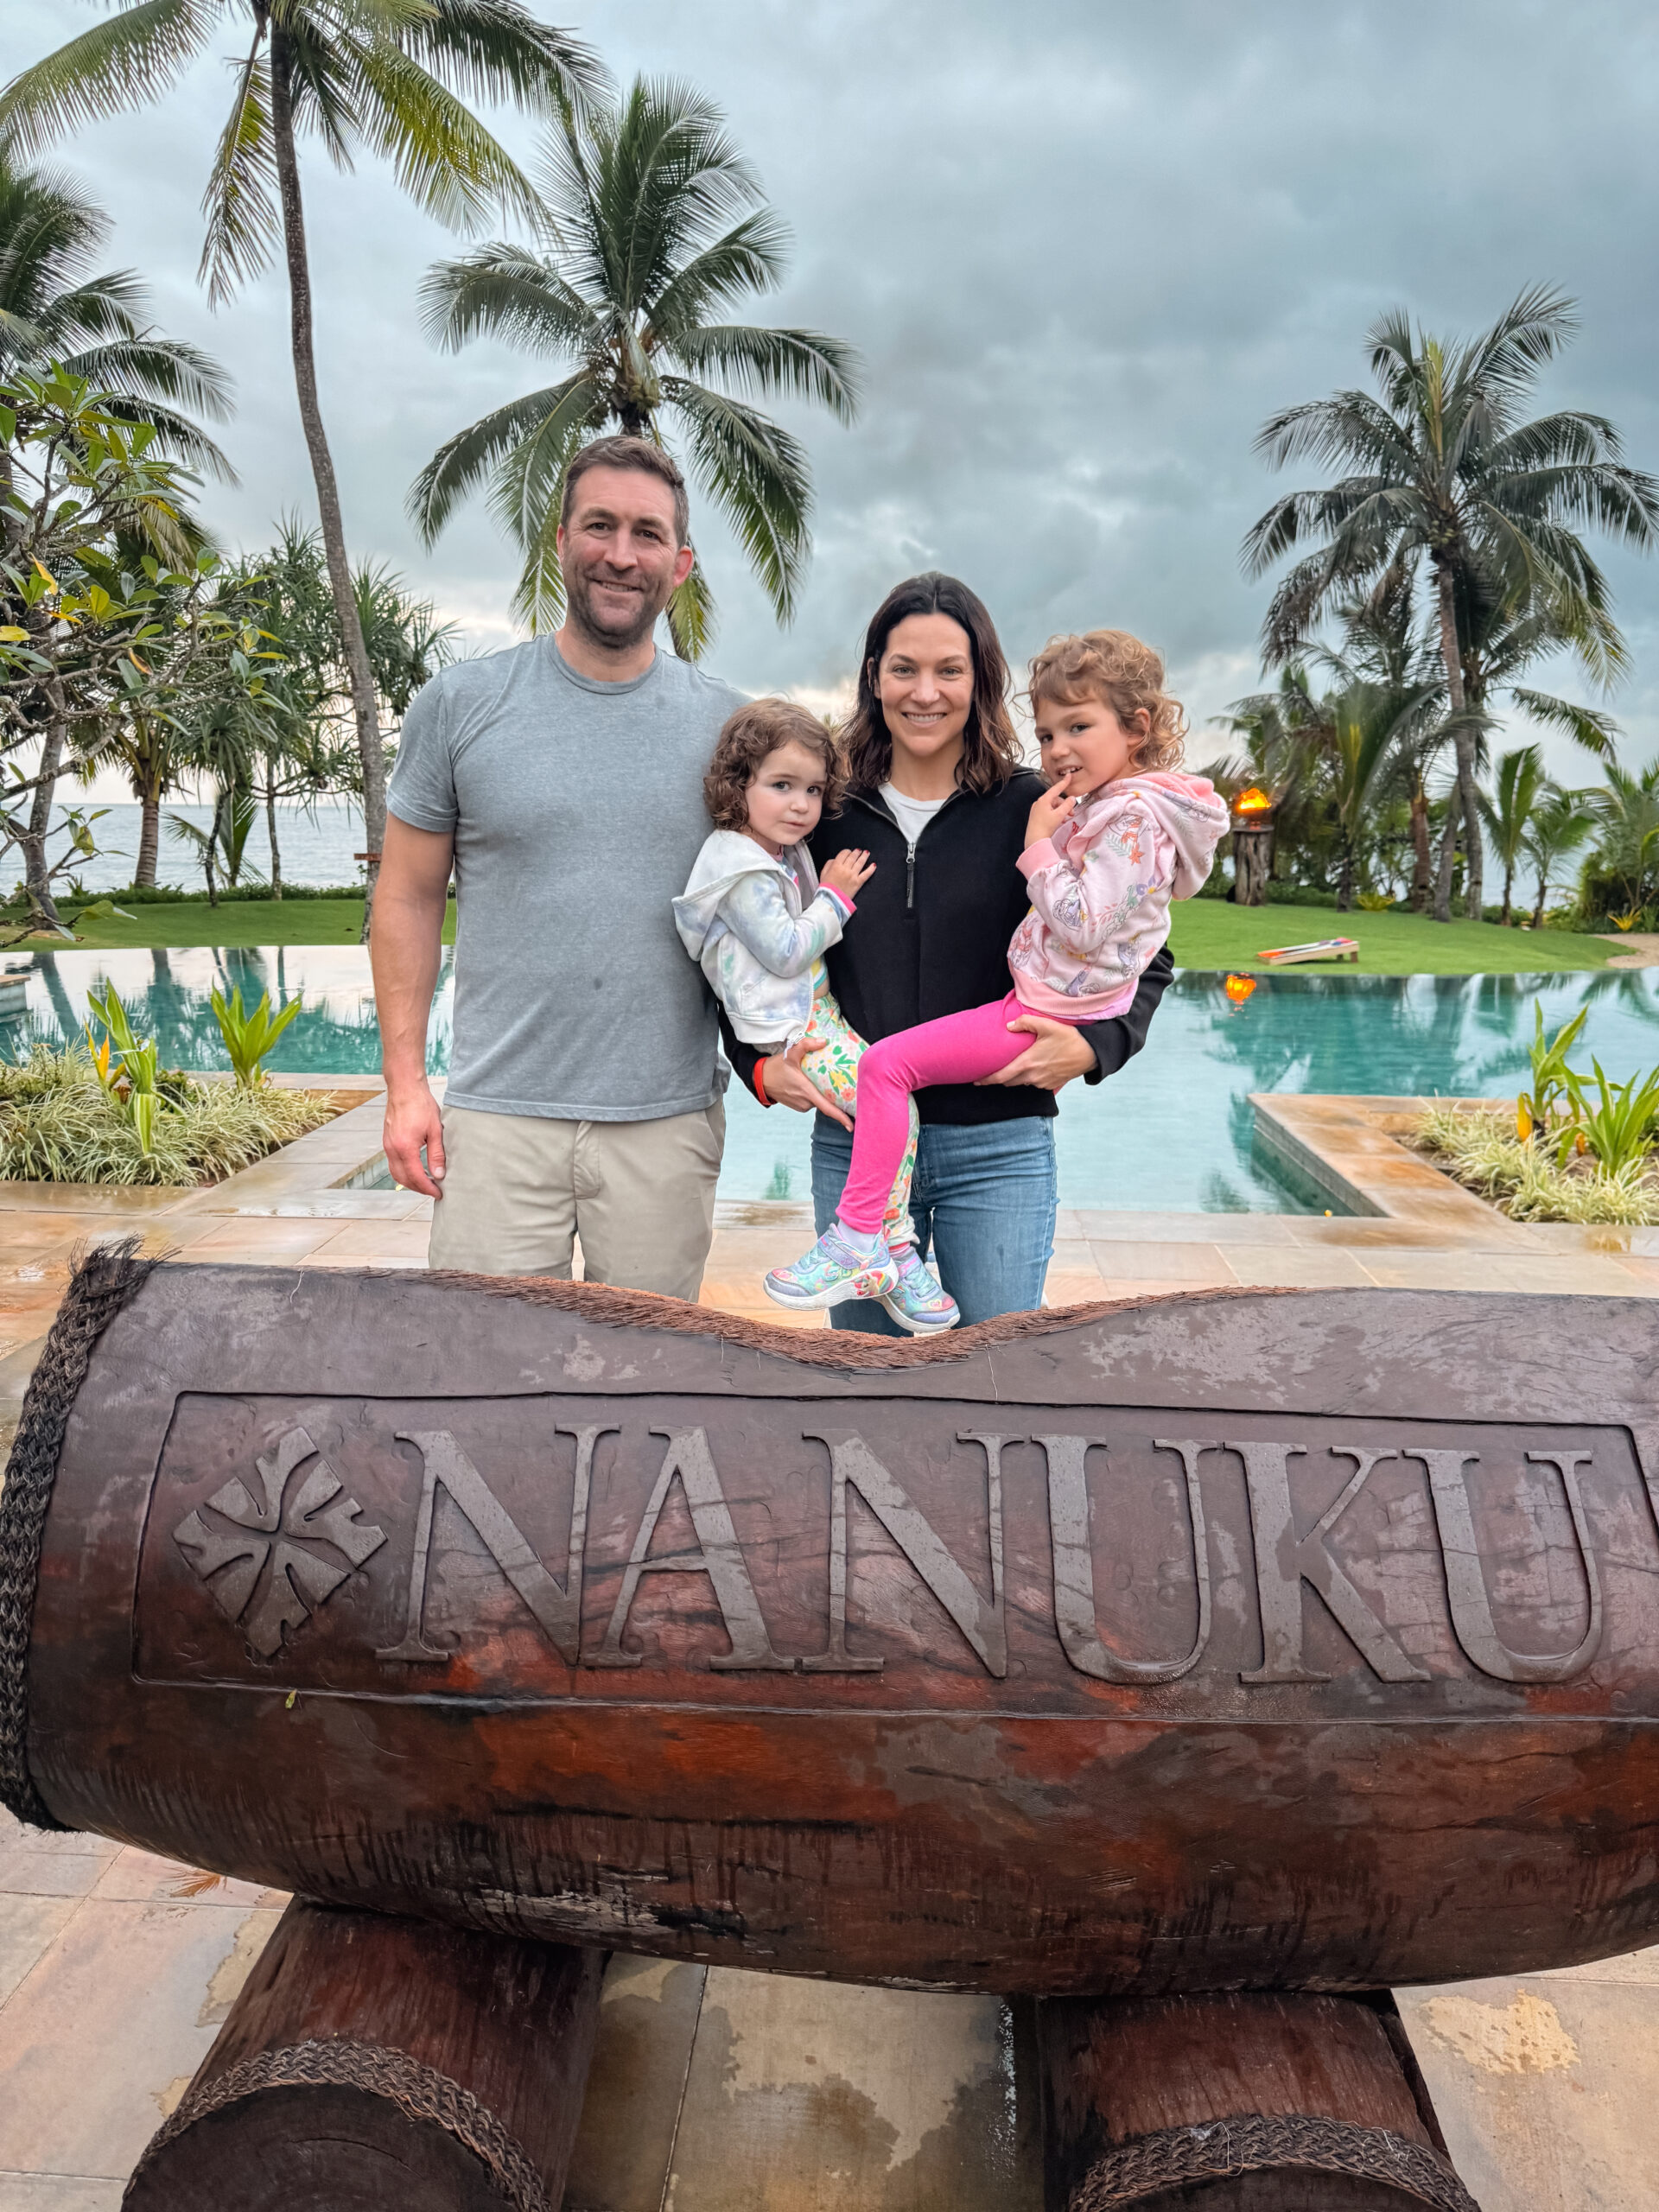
(1085, 247)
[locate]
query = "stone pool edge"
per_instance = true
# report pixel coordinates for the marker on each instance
(1355, 1148)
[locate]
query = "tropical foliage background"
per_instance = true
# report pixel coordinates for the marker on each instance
(1436, 608)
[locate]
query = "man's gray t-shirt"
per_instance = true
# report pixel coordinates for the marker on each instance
(577, 811)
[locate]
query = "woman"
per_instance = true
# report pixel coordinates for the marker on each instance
(938, 795)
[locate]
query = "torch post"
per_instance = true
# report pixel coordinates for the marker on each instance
(1251, 821)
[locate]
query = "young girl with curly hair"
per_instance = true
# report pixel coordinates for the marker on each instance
(758, 918)
(1115, 836)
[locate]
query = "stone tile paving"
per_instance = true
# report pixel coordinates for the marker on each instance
(736, 2091)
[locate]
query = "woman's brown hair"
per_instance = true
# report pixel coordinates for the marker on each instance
(749, 736)
(1118, 672)
(990, 750)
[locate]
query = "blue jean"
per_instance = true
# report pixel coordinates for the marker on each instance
(984, 1199)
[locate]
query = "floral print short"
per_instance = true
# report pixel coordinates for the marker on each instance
(834, 1049)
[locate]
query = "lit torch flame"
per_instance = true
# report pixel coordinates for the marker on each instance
(1238, 988)
(1253, 801)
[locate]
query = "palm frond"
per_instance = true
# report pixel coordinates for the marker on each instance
(1531, 331)
(1596, 731)
(492, 50)
(504, 291)
(134, 57)
(472, 455)
(528, 484)
(240, 201)
(103, 306)
(691, 613)
(445, 159)
(756, 473)
(148, 366)
(801, 363)
(750, 257)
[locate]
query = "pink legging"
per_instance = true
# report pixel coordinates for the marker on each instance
(957, 1048)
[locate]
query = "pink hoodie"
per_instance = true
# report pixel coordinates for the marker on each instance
(1101, 888)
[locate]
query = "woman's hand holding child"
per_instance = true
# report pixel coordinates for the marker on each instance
(1047, 812)
(847, 872)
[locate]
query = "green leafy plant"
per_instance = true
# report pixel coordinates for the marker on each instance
(1374, 902)
(130, 1081)
(250, 1037)
(1553, 1080)
(1482, 1152)
(1619, 1128)
(63, 1121)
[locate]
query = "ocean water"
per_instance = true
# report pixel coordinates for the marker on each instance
(1174, 1130)
(316, 844)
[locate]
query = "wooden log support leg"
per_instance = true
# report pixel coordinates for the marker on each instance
(387, 2066)
(1245, 2103)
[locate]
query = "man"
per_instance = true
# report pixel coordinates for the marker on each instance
(562, 781)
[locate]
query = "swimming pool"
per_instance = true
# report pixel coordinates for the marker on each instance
(1173, 1131)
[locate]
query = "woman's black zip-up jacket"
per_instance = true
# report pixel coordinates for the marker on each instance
(931, 937)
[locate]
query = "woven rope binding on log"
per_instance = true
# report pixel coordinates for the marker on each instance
(1174, 2158)
(104, 1280)
(418, 2092)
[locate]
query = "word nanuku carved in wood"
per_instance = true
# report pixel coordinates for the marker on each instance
(1261, 1639)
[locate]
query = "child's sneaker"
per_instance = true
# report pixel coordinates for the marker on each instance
(831, 1273)
(919, 1302)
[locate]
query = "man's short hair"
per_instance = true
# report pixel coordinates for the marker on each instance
(631, 452)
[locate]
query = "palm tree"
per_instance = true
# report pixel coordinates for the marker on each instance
(1626, 813)
(636, 262)
(56, 306)
(1559, 826)
(1519, 784)
(1443, 469)
(355, 73)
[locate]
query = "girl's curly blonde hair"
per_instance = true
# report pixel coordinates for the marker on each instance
(1122, 673)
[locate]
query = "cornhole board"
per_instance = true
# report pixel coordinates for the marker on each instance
(1325, 948)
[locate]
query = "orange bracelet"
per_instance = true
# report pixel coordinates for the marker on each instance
(760, 1082)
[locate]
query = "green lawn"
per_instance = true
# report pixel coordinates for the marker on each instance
(1211, 933)
(242, 921)
(1205, 933)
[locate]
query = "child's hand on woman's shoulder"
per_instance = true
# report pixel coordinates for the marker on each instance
(847, 872)
(1049, 811)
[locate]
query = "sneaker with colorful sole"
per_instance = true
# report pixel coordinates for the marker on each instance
(919, 1302)
(831, 1273)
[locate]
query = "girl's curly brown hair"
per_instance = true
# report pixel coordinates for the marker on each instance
(749, 736)
(1120, 672)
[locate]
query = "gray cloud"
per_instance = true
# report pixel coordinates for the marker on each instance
(1085, 249)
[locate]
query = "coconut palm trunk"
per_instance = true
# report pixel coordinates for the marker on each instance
(1464, 809)
(364, 711)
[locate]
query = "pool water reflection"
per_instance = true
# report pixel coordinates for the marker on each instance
(1173, 1131)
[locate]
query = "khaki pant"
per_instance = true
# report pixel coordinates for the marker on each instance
(518, 1190)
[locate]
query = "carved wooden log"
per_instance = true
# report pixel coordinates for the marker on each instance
(387, 2065)
(1238, 2104)
(1238, 1640)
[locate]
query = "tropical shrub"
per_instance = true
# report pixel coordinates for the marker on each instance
(1578, 1149)
(1479, 1147)
(60, 1122)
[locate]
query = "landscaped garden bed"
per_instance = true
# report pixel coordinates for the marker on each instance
(1571, 1148)
(101, 1110)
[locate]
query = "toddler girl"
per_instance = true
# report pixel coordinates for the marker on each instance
(1115, 836)
(756, 917)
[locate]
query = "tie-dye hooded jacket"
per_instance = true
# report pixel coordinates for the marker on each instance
(1100, 892)
(758, 932)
